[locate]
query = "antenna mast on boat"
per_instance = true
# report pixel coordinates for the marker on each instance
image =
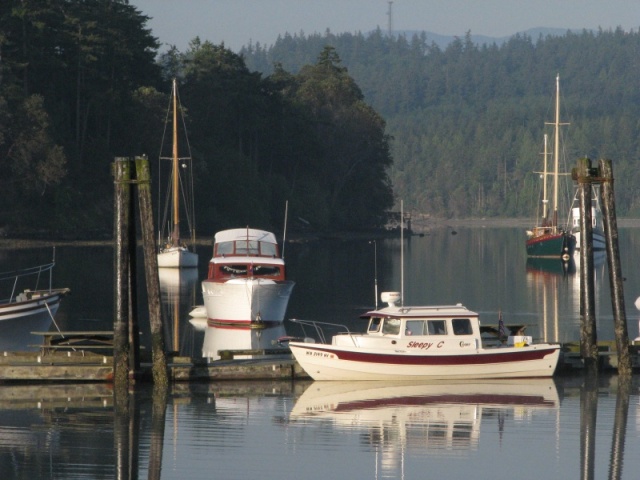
(402, 252)
(284, 234)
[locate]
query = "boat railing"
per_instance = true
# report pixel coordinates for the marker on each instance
(16, 275)
(318, 328)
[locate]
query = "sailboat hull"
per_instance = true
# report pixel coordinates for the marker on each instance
(556, 245)
(177, 257)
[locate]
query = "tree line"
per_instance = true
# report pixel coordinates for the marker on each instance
(339, 126)
(83, 82)
(468, 120)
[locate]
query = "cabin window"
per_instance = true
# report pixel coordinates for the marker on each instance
(414, 327)
(233, 269)
(374, 324)
(268, 249)
(391, 326)
(224, 248)
(266, 270)
(247, 247)
(461, 326)
(437, 327)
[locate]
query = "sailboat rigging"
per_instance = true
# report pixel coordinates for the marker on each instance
(173, 251)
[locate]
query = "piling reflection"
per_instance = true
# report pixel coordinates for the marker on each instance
(178, 287)
(620, 427)
(588, 415)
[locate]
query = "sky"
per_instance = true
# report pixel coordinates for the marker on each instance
(239, 22)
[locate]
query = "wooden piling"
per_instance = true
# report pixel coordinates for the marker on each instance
(615, 273)
(133, 329)
(160, 376)
(121, 170)
(588, 335)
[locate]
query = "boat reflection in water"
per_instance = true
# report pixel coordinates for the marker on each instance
(554, 285)
(400, 418)
(177, 295)
(253, 340)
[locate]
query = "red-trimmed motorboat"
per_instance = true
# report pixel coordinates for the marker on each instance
(419, 343)
(246, 283)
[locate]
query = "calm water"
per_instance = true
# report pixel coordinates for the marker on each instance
(562, 428)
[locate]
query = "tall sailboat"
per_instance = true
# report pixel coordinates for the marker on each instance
(173, 251)
(547, 238)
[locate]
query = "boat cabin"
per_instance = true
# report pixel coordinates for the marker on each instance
(416, 329)
(244, 253)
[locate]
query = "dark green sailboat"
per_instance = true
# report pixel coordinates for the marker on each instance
(548, 239)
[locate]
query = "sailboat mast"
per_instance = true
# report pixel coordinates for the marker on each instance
(175, 234)
(545, 199)
(556, 153)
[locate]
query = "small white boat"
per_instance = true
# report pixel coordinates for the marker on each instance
(246, 282)
(420, 343)
(598, 239)
(173, 252)
(30, 304)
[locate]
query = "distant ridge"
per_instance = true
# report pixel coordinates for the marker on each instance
(444, 40)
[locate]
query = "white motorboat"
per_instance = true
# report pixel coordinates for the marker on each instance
(30, 304)
(598, 239)
(173, 252)
(246, 281)
(420, 343)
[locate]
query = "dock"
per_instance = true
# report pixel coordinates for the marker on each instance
(75, 364)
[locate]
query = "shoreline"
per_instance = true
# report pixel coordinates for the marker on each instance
(418, 226)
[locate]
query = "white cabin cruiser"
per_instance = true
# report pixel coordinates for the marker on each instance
(247, 281)
(420, 343)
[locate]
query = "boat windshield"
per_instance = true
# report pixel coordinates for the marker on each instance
(374, 324)
(246, 248)
(391, 326)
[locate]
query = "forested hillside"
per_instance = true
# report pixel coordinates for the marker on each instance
(81, 83)
(339, 126)
(468, 121)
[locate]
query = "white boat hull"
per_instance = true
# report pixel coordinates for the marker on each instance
(32, 306)
(329, 362)
(246, 300)
(177, 257)
(598, 240)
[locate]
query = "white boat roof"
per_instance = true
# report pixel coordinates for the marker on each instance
(434, 311)
(234, 234)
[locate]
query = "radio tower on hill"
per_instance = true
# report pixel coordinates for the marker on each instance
(390, 15)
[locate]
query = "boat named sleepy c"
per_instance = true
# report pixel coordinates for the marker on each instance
(420, 343)
(246, 284)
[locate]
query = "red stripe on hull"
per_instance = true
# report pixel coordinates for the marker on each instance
(471, 359)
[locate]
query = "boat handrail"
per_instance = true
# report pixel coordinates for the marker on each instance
(317, 326)
(25, 272)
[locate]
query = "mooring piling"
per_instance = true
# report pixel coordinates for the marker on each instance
(122, 184)
(615, 271)
(159, 366)
(585, 176)
(588, 335)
